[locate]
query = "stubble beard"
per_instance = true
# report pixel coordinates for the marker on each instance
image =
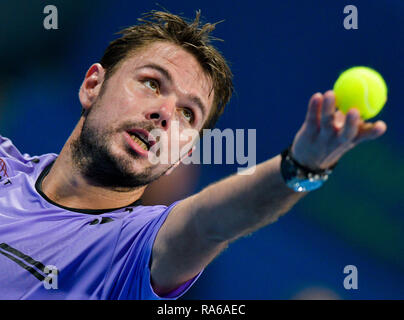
(92, 156)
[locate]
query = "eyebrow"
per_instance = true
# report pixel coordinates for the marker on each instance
(195, 99)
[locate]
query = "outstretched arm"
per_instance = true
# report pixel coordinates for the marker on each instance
(201, 226)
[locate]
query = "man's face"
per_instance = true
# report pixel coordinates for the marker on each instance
(160, 87)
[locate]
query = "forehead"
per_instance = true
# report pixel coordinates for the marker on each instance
(187, 73)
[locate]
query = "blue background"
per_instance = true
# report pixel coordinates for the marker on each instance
(281, 52)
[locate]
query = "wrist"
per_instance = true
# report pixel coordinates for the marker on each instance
(301, 178)
(308, 167)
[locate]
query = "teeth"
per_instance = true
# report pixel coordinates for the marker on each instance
(139, 142)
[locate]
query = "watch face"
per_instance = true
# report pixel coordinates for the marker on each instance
(301, 185)
(299, 180)
(311, 185)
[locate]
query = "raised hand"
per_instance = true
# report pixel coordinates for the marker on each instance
(326, 134)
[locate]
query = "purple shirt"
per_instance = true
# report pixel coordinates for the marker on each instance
(50, 252)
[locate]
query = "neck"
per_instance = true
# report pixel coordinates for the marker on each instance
(66, 186)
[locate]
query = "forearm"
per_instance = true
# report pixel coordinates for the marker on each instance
(240, 204)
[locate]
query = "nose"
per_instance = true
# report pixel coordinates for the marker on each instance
(162, 115)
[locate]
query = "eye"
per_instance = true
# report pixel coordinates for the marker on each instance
(188, 114)
(152, 84)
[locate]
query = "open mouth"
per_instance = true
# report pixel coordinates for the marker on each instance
(142, 138)
(140, 141)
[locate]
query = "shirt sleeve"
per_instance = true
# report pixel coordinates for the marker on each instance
(8, 150)
(132, 277)
(148, 289)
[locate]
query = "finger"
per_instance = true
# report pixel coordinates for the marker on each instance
(313, 111)
(327, 111)
(379, 129)
(370, 131)
(339, 119)
(351, 126)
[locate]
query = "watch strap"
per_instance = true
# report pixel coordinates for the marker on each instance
(301, 178)
(288, 154)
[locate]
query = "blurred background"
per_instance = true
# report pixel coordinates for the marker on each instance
(281, 52)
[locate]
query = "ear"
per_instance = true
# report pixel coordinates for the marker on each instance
(91, 86)
(188, 154)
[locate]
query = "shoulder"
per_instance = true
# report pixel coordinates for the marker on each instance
(9, 150)
(132, 254)
(12, 161)
(146, 217)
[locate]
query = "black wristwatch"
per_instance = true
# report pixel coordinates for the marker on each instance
(300, 178)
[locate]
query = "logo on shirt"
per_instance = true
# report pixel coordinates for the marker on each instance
(47, 274)
(3, 171)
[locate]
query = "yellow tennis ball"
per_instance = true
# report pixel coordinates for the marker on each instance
(362, 88)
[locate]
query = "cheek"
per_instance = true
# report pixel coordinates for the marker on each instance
(112, 111)
(127, 99)
(187, 137)
(129, 89)
(177, 145)
(102, 116)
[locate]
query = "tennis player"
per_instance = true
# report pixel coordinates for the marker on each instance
(72, 225)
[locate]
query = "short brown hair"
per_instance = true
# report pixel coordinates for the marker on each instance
(192, 36)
